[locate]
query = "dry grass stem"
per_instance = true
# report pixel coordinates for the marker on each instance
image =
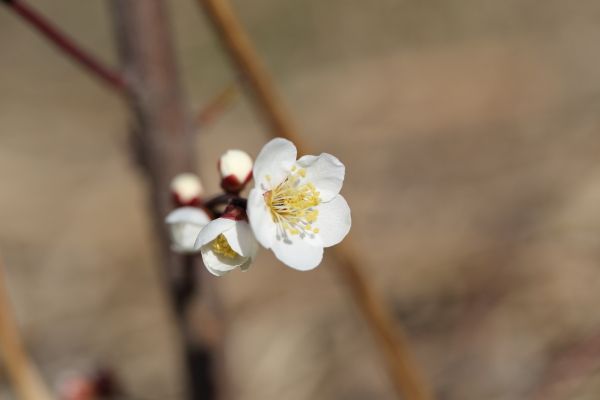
(26, 380)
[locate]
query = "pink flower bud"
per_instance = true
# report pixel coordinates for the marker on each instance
(187, 189)
(235, 167)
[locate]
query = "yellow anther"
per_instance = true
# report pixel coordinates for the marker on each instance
(221, 246)
(292, 203)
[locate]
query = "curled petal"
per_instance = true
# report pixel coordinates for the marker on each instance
(217, 265)
(212, 230)
(241, 239)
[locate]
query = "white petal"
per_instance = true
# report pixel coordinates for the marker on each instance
(241, 239)
(185, 224)
(213, 229)
(326, 172)
(298, 253)
(334, 221)
(260, 219)
(183, 237)
(218, 265)
(214, 271)
(188, 214)
(274, 160)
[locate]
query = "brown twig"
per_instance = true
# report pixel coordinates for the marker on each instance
(401, 366)
(25, 378)
(165, 132)
(209, 113)
(66, 44)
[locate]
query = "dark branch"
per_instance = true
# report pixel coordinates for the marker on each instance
(66, 44)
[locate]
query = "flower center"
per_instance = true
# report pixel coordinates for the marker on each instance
(292, 204)
(221, 246)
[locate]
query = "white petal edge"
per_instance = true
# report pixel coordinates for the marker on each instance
(298, 254)
(214, 263)
(183, 237)
(334, 221)
(212, 230)
(260, 219)
(326, 172)
(188, 214)
(275, 160)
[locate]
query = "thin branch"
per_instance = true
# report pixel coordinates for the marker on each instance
(394, 346)
(67, 45)
(210, 112)
(24, 375)
(218, 200)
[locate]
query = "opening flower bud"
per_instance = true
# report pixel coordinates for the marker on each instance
(186, 189)
(185, 224)
(235, 167)
(226, 244)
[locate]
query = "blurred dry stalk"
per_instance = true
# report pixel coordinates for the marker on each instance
(26, 380)
(401, 366)
(165, 132)
(222, 100)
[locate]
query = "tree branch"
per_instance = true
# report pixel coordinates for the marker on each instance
(67, 45)
(165, 131)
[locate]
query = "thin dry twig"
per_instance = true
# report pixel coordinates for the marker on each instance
(25, 378)
(211, 111)
(402, 367)
(66, 44)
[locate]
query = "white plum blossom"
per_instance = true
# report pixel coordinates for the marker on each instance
(227, 243)
(235, 167)
(295, 208)
(184, 225)
(187, 188)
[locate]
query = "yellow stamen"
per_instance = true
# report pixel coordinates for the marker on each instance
(292, 204)
(221, 246)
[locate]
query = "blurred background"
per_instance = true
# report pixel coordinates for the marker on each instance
(470, 134)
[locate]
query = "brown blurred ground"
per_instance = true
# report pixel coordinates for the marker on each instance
(470, 134)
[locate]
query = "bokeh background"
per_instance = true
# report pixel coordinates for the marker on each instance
(470, 134)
